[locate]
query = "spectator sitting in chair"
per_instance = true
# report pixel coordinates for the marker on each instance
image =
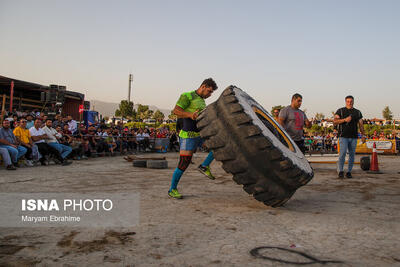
(29, 121)
(72, 125)
(38, 137)
(140, 139)
(58, 122)
(10, 142)
(24, 138)
(54, 143)
(132, 143)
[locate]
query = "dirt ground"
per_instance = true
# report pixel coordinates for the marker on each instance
(356, 221)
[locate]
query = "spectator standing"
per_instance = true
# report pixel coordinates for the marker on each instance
(348, 119)
(293, 121)
(276, 114)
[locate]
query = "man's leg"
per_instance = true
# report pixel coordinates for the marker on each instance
(5, 156)
(352, 151)
(204, 168)
(186, 152)
(56, 150)
(208, 160)
(65, 150)
(21, 151)
(44, 151)
(13, 153)
(343, 143)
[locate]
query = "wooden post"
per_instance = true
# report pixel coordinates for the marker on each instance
(3, 109)
(11, 95)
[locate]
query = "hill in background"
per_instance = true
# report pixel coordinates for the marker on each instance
(108, 109)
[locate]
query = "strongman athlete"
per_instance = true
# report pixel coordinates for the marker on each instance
(188, 107)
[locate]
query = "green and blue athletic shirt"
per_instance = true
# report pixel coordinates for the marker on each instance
(190, 102)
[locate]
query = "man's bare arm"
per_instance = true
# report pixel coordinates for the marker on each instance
(337, 120)
(178, 111)
(281, 121)
(39, 137)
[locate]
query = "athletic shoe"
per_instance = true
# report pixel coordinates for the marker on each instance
(66, 163)
(11, 167)
(28, 163)
(206, 171)
(348, 175)
(341, 175)
(175, 194)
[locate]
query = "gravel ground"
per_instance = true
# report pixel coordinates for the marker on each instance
(356, 221)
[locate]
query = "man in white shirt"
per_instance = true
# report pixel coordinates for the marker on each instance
(72, 125)
(38, 137)
(52, 141)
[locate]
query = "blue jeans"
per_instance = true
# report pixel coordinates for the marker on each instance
(347, 145)
(5, 156)
(62, 149)
(15, 153)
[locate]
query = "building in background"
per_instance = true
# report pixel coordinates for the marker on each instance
(32, 96)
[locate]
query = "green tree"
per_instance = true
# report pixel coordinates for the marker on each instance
(315, 129)
(172, 116)
(276, 107)
(158, 116)
(125, 109)
(142, 108)
(319, 116)
(143, 112)
(387, 113)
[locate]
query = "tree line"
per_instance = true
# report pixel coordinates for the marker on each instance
(126, 110)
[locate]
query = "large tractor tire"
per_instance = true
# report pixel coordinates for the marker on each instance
(253, 147)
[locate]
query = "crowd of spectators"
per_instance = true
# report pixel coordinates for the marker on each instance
(33, 138)
(328, 143)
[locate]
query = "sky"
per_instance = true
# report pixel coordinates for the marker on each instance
(324, 50)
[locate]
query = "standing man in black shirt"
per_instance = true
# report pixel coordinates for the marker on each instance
(348, 119)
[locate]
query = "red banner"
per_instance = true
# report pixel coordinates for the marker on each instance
(80, 108)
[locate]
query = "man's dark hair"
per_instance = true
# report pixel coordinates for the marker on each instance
(349, 96)
(49, 120)
(210, 83)
(296, 95)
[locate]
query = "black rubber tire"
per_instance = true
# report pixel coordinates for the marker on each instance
(157, 164)
(267, 168)
(365, 163)
(139, 163)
